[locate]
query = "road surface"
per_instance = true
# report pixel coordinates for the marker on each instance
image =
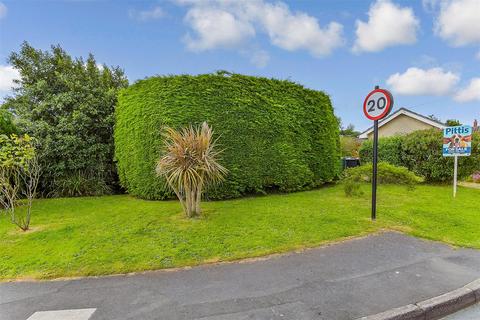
(343, 281)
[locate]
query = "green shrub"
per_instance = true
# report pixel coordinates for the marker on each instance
(80, 184)
(276, 135)
(7, 125)
(387, 174)
(421, 152)
(388, 150)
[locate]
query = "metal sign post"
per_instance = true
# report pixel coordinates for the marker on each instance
(375, 169)
(377, 105)
(455, 174)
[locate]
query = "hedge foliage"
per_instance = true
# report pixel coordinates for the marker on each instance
(276, 135)
(389, 150)
(421, 152)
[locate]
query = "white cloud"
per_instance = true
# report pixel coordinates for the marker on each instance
(459, 22)
(7, 75)
(470, 93)
(230, 24)
(416, 81)
(388, 25)
(146, 15)
(216, 28)
(295, 31)
(3, 10)
(259, 58)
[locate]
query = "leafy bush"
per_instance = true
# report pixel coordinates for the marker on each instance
(7, 126)
(387, 174)
(80, 184)
(388, 150)
(68, 105)
(276, 135)
(421, 152)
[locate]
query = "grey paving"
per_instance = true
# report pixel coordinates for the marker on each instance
(472, 313)
(344, 281)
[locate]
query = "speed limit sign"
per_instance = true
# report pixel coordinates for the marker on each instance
(377, 104)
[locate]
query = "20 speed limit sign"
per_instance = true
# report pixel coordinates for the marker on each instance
(378, 104)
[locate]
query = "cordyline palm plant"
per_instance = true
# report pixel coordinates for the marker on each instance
(190, 165)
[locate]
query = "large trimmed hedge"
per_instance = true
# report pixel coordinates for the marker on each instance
(421, 152)
(276, 135)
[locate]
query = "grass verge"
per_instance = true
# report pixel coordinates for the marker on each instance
(119, 234)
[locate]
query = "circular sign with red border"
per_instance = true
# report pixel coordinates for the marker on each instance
(378, 104)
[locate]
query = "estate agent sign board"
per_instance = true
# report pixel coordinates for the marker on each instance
(457, 142)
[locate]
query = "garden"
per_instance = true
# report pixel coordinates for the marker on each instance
(101, 177)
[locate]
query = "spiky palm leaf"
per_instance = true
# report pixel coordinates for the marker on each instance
(190, 164)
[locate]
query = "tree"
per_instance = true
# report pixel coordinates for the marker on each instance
(19, 175)
(453, 123)
(434, 118)
(349, 146)
(190, 164)
(349, 131)
(7, 125)
(68, 105)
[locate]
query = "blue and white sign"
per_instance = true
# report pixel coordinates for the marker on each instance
(457, 141)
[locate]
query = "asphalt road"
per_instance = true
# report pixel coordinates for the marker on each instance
(343, 281)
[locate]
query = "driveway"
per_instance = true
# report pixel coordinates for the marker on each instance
(343, 281)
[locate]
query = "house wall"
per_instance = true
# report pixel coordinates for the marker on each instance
(401, 125)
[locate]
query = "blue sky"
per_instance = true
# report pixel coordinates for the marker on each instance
(426, 52)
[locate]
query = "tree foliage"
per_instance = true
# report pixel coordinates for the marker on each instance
(349, 131)
(453, 123)
(276, 135)
(7, 125)
(68, 105)
(349, 146)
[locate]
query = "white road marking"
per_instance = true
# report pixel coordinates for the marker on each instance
(74, 314)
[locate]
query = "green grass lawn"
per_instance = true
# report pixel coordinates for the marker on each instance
(118, 234)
